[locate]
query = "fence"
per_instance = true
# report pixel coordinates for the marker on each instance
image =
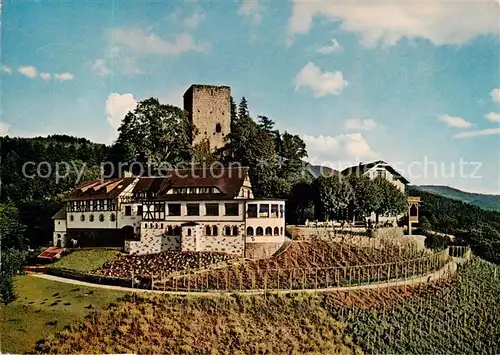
(241, 278)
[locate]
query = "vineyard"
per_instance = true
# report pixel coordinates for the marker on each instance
(458, 315)
(312, 265)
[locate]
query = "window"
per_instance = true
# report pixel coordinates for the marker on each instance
(260, 231)
(192, 190)
(218, 128)
(282, 209)
(232, 209)
(71, 218)
(215, 231)
(249, 231)
(170, 230)
(274, 211)
(212, 209)
(174, 209)
(281, 230)
(101, 218)
(252, 210)
(177, 230)
(101, 205)
(128, 210)
(82, 217)
(381, 173)
(91, 218)
(235, 230)
(189, 231)
(139, 210)
(269, 231)
(276, 231)
(112, 218)
(208, 230)
(264, 210)
(227, 230)
(193, 209)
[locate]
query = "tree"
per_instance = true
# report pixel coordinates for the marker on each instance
(389, 200)
(364, 198)
(11, 229)
(13, 262)
(333, 196)
(154, 133)
(243, 109)
(292, 150)
(266, 124)
(301, 198)
(234, 112)
(202, 154)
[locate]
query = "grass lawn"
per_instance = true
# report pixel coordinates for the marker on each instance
(44, 307)
(86, 260)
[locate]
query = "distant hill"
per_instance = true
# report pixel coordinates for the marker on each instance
(488, 202)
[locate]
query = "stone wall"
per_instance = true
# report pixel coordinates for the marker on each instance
(150, 244)
(207, 107)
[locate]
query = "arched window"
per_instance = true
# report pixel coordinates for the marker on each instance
(227, 230)
(249, 231)
(170, 230)
(71, 218)
(208, 230)
(218, 128)
(235, 230)
(215, 231)
(161, 225)
(269, 231)
(101, 217)
(260, 231)
(156, 225)
(58, 236)
(177, 230)
(189, 231)
(276, 231)
(91, 218)
(112, 217)
(82, 217)
(281, 230)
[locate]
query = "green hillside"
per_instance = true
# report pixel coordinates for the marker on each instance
(488, 202)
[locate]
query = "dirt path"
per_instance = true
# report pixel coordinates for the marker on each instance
(447, 269)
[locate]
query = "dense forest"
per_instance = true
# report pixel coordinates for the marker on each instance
(470, 224)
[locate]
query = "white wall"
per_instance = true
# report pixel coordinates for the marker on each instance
(77, 223)
(265, 222)
(60, 225)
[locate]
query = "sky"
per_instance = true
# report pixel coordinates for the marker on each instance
(416, 84)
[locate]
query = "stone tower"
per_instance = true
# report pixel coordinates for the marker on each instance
(209, 110)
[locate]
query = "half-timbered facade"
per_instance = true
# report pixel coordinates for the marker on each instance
(186, 210)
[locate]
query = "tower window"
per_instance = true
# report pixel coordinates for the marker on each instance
(218, 128)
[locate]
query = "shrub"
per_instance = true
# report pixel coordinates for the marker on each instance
(437, 242)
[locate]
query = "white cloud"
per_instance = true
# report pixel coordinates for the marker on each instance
(5, 69)
(483, 132)
(100, 68)
(357, 124)
(143, 43)
(64, 76)
(321, 83)
(334, 46)
(454, 121)
(195, 19)
(117, 106)
(252, 9)
(4, 129)
(493, 116)
(387, 22)
(495, 95)
(334, 150)
(29, 71)
(45, 76)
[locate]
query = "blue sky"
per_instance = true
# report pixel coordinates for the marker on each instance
(405, 82)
